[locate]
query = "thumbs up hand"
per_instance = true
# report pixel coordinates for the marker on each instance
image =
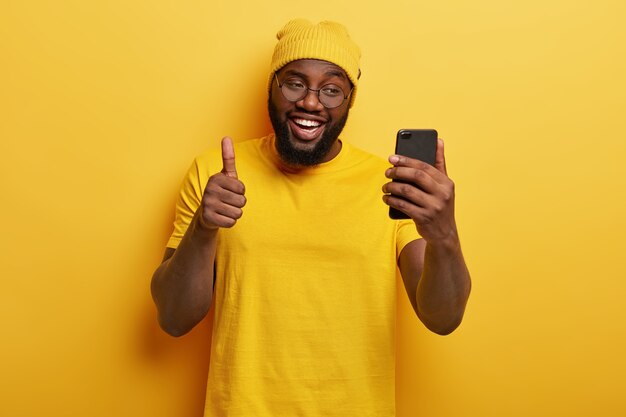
(223, 197)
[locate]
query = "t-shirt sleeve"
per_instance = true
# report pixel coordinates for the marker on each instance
(406, 232)
(188, 201)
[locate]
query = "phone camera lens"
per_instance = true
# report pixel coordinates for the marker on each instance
(405, 135)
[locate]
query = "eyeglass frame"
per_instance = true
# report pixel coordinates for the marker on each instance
(307, 89)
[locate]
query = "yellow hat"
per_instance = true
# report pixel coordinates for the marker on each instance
(327, 41)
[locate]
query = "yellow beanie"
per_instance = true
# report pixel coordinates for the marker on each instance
(327, 41)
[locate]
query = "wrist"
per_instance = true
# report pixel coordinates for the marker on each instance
(200, 229)
(449, 242)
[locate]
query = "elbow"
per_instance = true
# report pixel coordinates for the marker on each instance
(177, 316)
(178, 327)
(445, 319)
(442, 325)
(443, 329)
(175, 331)
(177, 320)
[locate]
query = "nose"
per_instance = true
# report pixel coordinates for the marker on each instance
(311, 102)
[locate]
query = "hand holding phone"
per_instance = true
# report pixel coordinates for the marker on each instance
(418, 144)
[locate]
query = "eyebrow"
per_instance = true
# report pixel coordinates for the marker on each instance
(329, 73)
(336, 73)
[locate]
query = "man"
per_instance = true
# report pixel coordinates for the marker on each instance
(303, 252)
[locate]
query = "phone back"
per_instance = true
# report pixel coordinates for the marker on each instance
(417, 144)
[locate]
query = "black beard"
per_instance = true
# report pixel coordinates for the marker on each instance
(303, 157)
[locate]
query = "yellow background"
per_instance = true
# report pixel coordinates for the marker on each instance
(104, 105)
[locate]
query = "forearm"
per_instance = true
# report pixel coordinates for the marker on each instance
(443, 287)
(182, 286)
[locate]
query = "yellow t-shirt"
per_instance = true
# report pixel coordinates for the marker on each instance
(305, 287)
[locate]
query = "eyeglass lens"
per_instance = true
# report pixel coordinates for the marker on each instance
(330, 95)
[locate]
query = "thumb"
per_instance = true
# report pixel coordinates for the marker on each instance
(440, 159)
(228, 158)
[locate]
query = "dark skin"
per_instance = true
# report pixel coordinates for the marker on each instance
(182, 286)
(433, 270)
(435, 276)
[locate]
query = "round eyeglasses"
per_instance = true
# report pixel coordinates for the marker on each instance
(330, 95)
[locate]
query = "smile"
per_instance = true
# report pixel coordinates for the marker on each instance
(306, 123)
(306, 129)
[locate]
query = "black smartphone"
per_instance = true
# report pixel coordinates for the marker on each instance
(417, 144)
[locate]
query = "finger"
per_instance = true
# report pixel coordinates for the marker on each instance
(221, 221)
(415, 177)
(221, 180)
(405, 161)
(228, 197)
(440, 159)
(404, 206)
(419, 214)
(408, 192)
(229, 211)
(215, 210)
(228, 157)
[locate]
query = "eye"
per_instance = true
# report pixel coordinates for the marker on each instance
(294, 84)
(332, 90)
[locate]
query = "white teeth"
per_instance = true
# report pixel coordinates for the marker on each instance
(307, 123)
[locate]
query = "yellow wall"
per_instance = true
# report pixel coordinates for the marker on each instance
(104, 104)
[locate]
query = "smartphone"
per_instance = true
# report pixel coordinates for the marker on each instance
(417, 144)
